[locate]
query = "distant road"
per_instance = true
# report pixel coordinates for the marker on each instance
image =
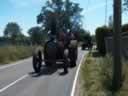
(19, 80)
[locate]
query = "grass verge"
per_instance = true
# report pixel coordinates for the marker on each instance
(124, 89)
(10, 54)
(96, 76)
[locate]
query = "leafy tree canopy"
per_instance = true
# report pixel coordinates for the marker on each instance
(65, 14)
(36, 34)
(125, 4)
(125, 28)
(12, 30)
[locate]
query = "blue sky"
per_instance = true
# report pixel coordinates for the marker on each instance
(24, 12)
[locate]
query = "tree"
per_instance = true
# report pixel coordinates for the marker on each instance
(64, 13)
(36, 35)
(20, 39)
(93, 38)
(125, 28)
(12, 31)
(82, 34)
(87, 38)
(125, 4)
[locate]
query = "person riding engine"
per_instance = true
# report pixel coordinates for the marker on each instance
(66, 42)
(73, 48)
(67, 45)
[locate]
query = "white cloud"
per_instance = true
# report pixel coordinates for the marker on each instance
(1, 31)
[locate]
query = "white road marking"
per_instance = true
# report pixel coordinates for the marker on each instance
(76, 76)
(13, 83)
(6, 66)
(13, 64)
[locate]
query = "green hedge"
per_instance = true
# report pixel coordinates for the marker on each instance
(13, 53)
(125, 28)
(101, 33)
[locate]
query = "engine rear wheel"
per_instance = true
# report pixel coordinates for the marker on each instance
(66, 65)
(73, 57)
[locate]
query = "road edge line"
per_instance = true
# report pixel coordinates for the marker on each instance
(76, 76)
(13, 83)
(13, 63)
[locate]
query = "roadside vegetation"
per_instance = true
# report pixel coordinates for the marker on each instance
(96, 76)
(10, 54)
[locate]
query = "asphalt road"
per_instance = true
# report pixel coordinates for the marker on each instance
(19, 79)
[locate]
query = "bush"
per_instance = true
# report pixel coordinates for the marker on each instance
(12, 53)
(125, 28)
(101, 33)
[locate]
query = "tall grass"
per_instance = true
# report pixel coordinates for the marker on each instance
(13, 53)
(124, 89)
(96, 76)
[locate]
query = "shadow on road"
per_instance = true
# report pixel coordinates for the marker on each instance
(48, 71)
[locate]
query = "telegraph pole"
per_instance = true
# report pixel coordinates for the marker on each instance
(117, 68)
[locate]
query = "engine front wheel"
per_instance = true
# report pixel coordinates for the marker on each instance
(72, 62)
